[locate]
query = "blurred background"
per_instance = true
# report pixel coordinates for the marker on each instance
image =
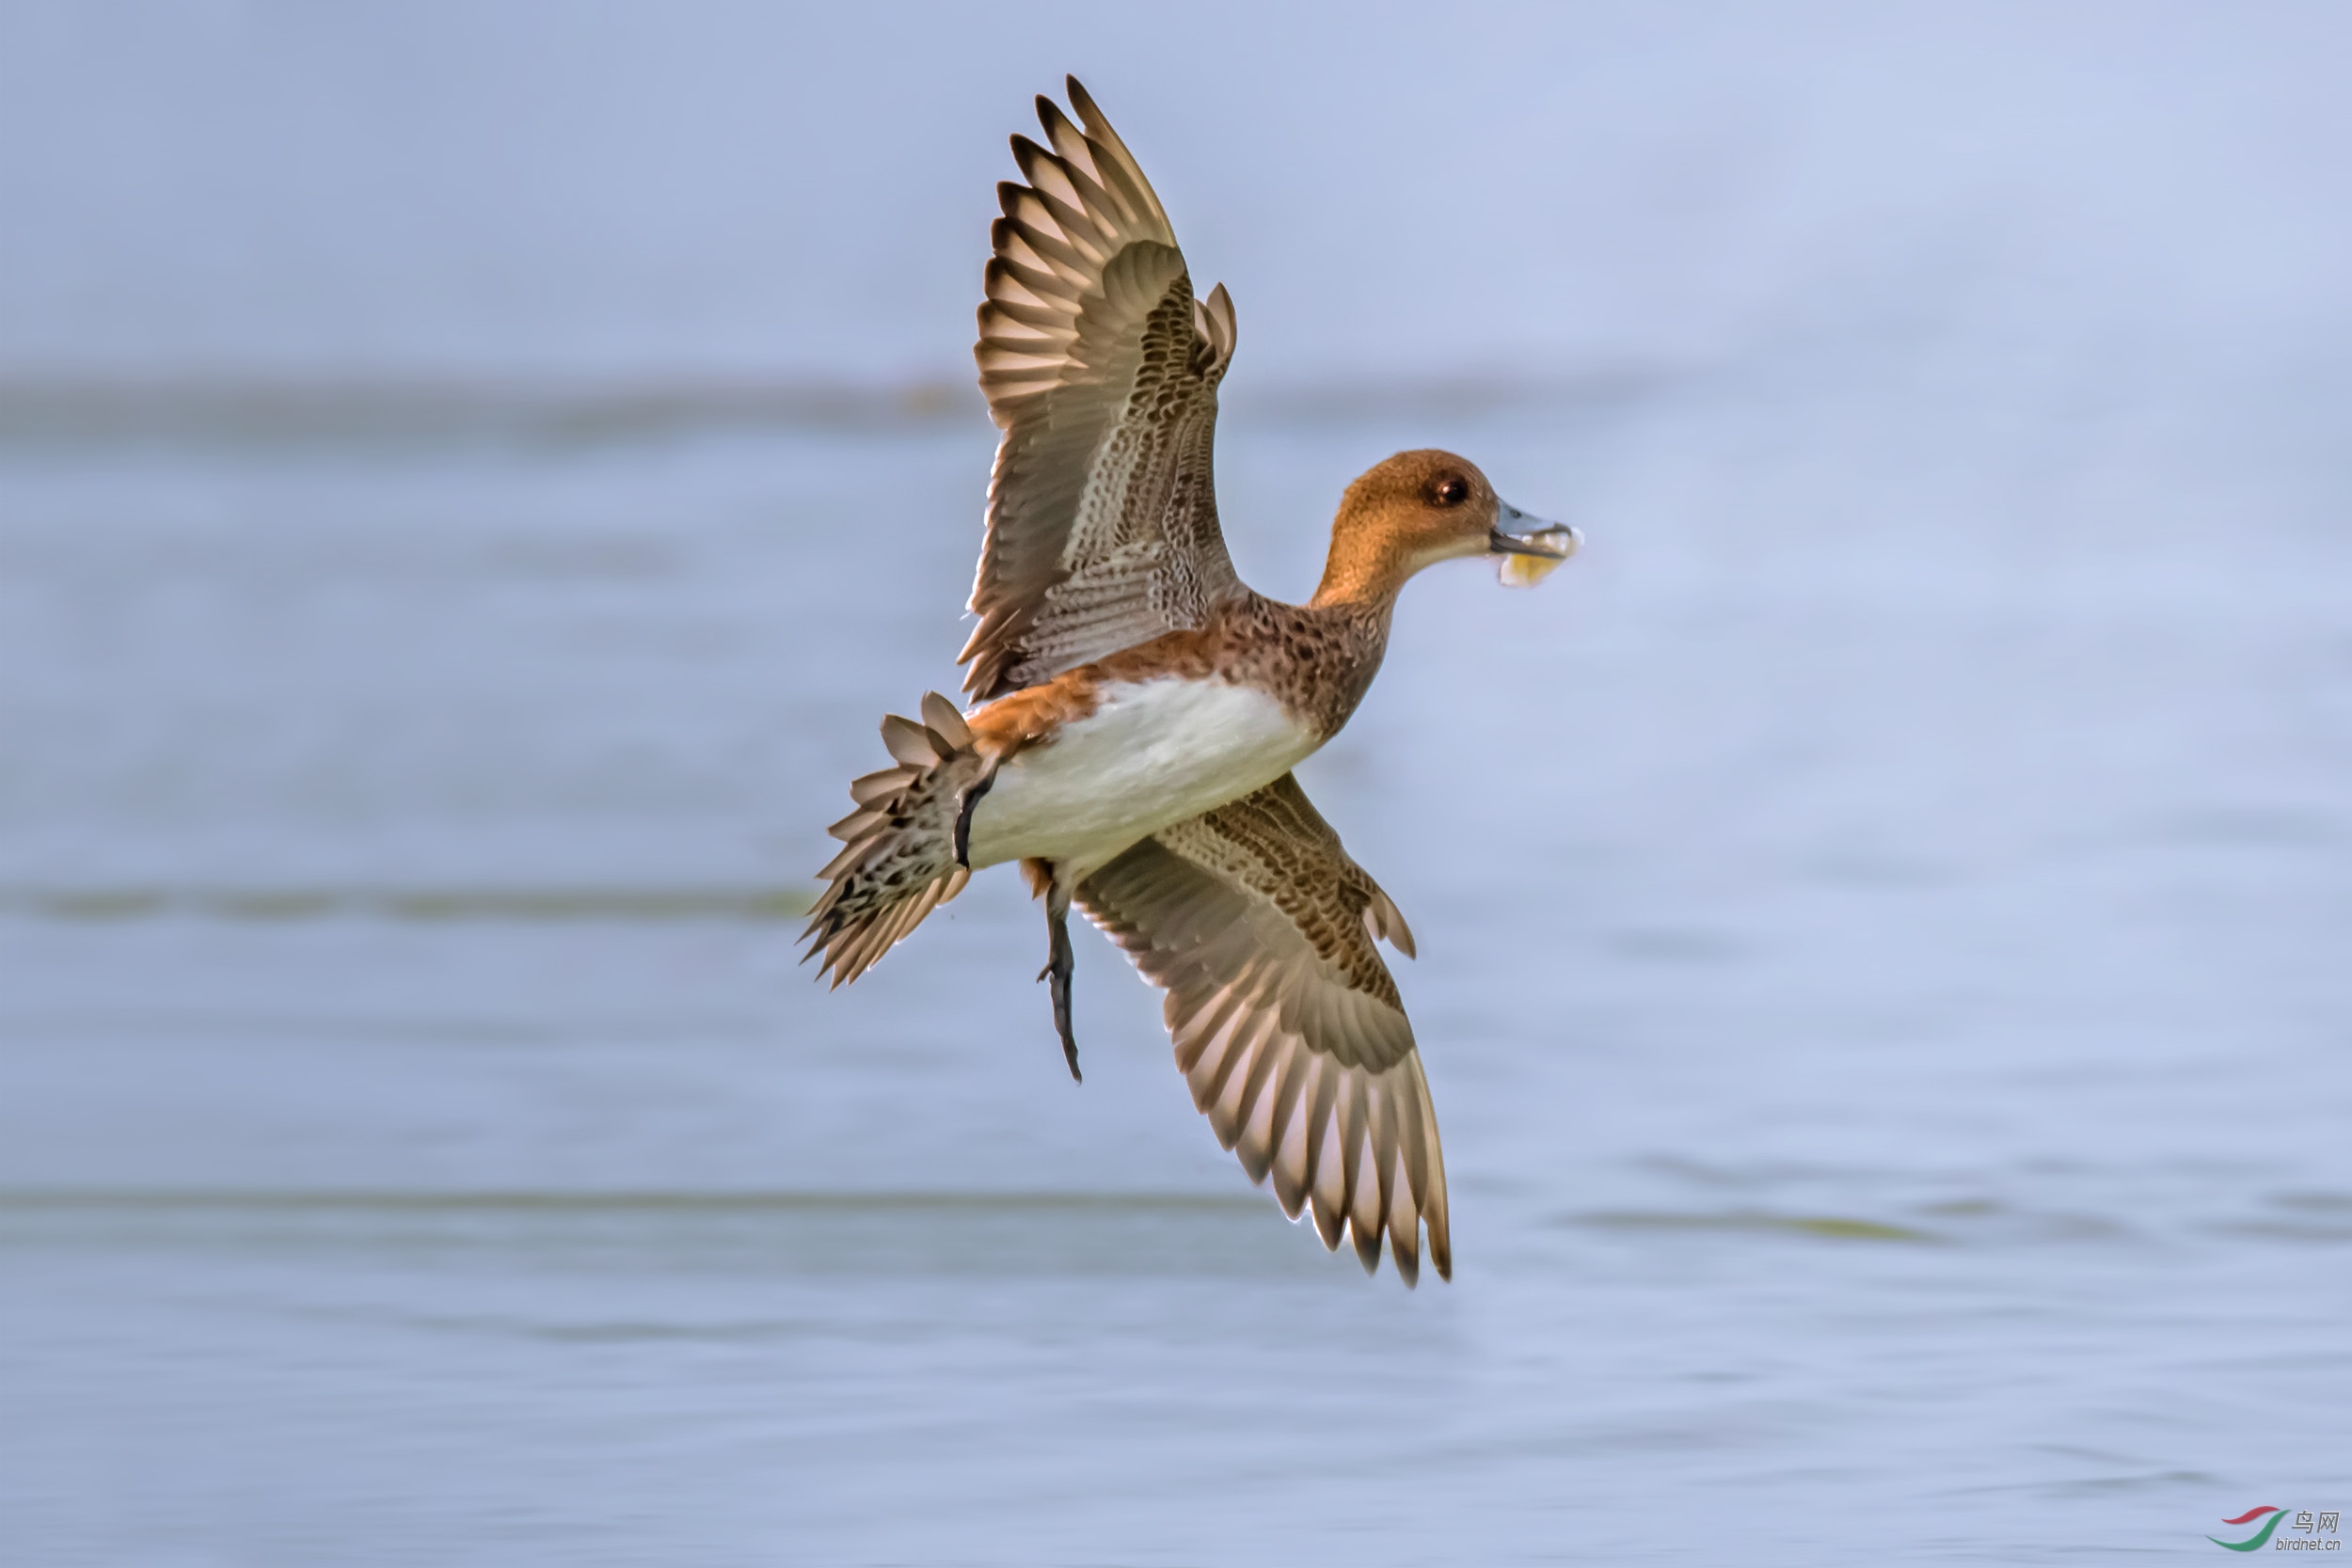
(472, 477)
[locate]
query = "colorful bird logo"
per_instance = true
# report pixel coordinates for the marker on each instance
(2253, 1542)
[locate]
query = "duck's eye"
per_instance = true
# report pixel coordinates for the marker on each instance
(1452, 490)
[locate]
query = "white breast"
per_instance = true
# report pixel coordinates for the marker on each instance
(1150, 754)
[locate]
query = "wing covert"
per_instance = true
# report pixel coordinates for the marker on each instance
(1286, 1023)
(1100, 369)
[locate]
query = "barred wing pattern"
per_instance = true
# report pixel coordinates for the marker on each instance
(1286, 1023)
(1100, 369)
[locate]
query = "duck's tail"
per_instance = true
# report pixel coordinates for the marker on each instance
(903, 850)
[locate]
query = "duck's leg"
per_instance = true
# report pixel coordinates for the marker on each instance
(1059, 967)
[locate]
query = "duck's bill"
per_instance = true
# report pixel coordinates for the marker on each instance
(1530, 547)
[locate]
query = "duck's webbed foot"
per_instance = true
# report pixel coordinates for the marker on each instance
(1059, 967)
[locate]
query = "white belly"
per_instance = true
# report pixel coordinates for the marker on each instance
(1150, 754)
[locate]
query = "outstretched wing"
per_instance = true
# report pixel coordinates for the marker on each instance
(1285, 1021)
(1100, 369)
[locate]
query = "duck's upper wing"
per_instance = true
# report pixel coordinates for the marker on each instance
(1100, 369)
(1285, 1021)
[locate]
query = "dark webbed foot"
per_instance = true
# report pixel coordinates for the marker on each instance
(1058, 966)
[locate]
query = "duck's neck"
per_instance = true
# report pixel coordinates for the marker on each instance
(1353, 605)
(1319, 656)
(1364, 573)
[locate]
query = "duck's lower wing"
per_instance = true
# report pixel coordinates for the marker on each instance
(1285, 1022)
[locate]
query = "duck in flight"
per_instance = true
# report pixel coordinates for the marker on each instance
(1139, 708)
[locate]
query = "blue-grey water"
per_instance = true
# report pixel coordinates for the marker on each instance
(1885, 911)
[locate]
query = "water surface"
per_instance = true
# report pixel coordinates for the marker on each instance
(1883, 908)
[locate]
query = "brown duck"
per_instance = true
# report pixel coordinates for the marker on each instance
(1140, 707)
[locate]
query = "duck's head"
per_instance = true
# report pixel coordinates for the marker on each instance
(1418, 508)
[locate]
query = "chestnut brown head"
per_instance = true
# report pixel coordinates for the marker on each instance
(1414, 510)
